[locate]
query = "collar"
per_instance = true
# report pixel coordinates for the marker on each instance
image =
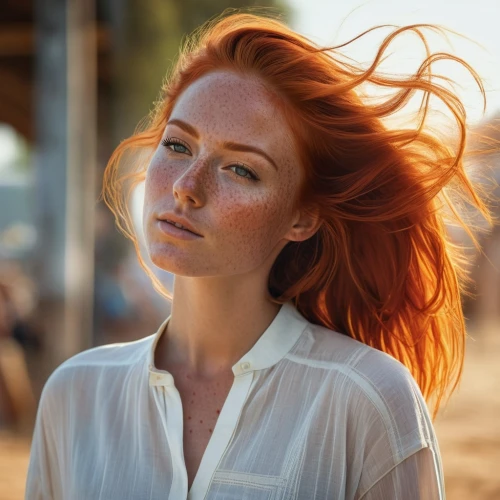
(272, 346)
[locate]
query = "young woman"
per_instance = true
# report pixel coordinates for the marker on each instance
(316, 299)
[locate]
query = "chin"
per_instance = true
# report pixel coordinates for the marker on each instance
(180, 266)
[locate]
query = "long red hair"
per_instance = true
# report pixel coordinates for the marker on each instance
(381, 268)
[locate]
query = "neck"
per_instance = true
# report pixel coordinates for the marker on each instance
(214, 322)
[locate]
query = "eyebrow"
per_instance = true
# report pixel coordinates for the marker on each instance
(232, 146)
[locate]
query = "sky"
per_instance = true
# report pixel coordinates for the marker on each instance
(331, 22)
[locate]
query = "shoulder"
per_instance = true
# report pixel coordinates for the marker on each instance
(369, 369)
(88, 368)
(377, 393)
(117, 354)
(378, 407)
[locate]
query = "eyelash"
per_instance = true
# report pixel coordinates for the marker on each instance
(170, 140)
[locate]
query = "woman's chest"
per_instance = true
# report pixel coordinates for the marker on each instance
(265, 443)
(202, 403)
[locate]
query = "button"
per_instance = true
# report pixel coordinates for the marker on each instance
(245, 365)
(158, 378)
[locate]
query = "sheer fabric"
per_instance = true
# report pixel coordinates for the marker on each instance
(311, 414)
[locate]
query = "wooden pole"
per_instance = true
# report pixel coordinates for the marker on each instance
(65, 172)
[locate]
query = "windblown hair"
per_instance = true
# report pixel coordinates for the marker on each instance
(381, 268)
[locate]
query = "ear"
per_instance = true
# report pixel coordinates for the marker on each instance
(306, 224)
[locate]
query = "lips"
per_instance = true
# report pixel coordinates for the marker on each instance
(175, 218)
(173, 231)
(176, 224)
(179, 226)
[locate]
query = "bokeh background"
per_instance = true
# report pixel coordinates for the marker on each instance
(76, 77)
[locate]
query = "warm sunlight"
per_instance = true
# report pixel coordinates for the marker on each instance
(329, 22)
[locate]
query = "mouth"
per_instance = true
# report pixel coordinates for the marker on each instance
(171, 229)
(180, 226)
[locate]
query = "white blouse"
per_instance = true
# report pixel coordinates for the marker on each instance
(311, 414)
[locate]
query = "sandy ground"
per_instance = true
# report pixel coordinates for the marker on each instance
(469, 427)
(468, 430)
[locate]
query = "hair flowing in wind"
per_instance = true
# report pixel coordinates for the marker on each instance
(381, 268)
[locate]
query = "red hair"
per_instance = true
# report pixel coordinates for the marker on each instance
(381, 268)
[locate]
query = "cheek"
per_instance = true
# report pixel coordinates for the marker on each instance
(254, 222)
(157, 179)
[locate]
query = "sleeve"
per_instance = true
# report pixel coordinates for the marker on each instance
(396, 453)
(418, 477)
(43, 476)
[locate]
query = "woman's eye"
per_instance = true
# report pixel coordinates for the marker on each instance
(250, 176)
(171, 142)
(244, 172)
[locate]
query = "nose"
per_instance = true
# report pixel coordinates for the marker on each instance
(190, 184)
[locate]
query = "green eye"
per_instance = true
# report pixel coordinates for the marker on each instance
(250, 176)
(170, 141)
(173, 142)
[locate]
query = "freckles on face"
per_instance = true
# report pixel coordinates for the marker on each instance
(252, 225)
(241, 220)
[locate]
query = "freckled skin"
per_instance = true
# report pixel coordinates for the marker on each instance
(243, 222)
(201, 408)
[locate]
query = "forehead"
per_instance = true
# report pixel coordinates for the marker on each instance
(226, 105)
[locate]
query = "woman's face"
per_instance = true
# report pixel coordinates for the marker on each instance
(238, 200)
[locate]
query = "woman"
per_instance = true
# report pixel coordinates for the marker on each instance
(316, 299)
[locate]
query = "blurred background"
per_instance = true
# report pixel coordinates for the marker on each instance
(76, 76)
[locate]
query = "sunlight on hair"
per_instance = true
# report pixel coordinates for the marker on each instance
(382, 268)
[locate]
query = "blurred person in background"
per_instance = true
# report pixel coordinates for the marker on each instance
(18, 336)
(316, 324)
